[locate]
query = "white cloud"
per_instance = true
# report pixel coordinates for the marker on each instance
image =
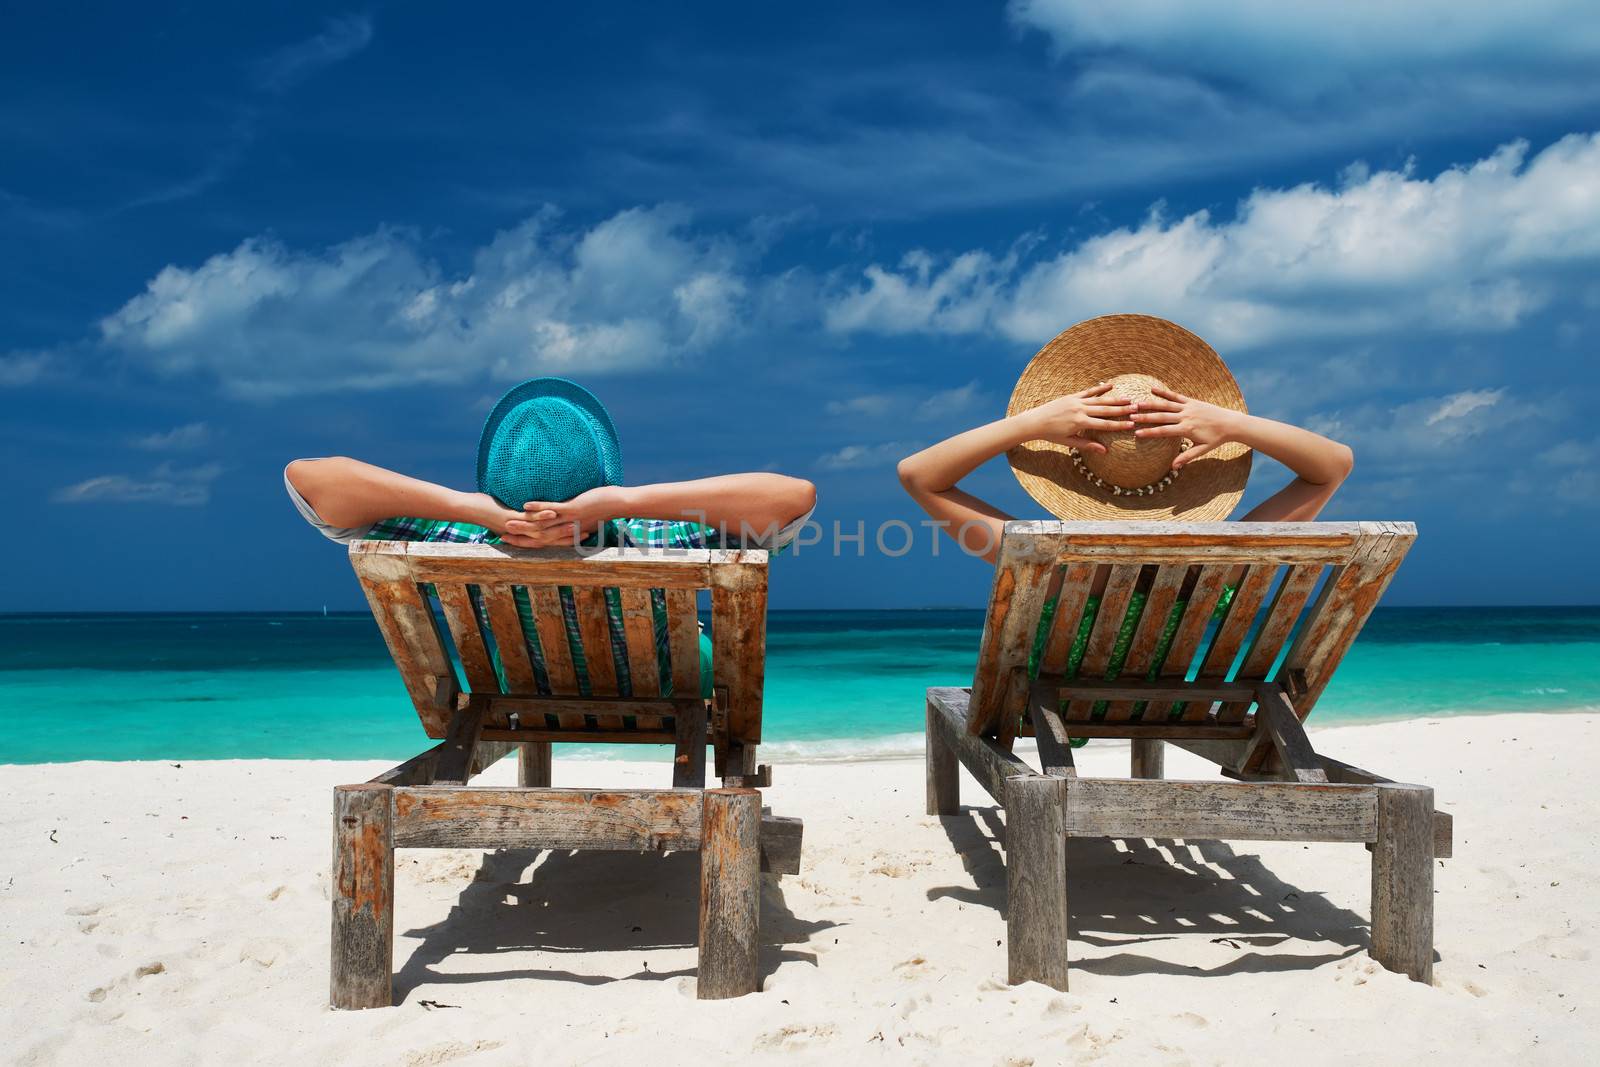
(1572, 453)
(23, 368)
(1419, 435)
(854, 457)
(1458, 406)
(913, 403)
(921, 294)
(871, 405)
(190, 435)
(1475, 248)
(949, 402)
(1307, 51)
(340, 39)
(176, 486)
(375, 311)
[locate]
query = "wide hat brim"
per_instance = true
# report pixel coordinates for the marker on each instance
(598, 443)
(1208, 488)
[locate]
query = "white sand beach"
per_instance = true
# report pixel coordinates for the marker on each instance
(163, 913)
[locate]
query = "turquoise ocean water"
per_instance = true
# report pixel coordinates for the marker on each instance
(839, 683)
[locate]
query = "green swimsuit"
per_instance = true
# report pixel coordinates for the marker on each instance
(1119, 650)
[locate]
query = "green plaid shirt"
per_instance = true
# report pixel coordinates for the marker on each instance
(621, 533)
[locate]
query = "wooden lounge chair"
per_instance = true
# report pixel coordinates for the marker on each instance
(525, 690)
(1235, 694)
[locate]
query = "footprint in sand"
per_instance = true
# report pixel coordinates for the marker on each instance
(259, 952)
(1060, 1006)
(99, 993)
(450, 1050)
(790, 1038)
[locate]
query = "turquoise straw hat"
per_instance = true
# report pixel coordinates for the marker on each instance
(547, 439)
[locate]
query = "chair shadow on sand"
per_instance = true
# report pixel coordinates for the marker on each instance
(1127, 893)
(586, 902)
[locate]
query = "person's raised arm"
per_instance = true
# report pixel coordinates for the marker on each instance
(931, 476)
(758, 502)
(1320, 464)
(348, 492)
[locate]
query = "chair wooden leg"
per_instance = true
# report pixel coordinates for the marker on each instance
(1402, 882)
(730, 893)
(533, 764)
(944, 776)
(362, 965)
(1036, 880)
(1149, 757)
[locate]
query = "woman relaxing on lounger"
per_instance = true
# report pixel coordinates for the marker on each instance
(1125, 417)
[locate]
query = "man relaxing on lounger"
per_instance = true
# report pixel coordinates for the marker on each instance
(550, 474)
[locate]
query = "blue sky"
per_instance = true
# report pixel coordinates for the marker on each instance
(806, 238)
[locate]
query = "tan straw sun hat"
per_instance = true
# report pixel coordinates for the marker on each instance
(1134, 479)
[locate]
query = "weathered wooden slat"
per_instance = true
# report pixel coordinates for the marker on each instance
(1036, 880)
(739, 643)
(595, 629)
(509, 639)
(1021, 583)
(1277, 718)
(550, 622)
(1142, 650)
(580, 735)
(649, 820)
(531, 710)
(683, 642)
(730, 893)
(407, 625)
(433, 561)
(1228, 811)
(1291, 596)
(362, 891)
(1230, 636)
(462, 620)
(1178, 542)
(1107, 623)
(1197, 614)
(1075, 583)
(989, 763)
(1162, 730)
(1402, 881)
(1089, 689)
(638, 626)
(460, 748)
